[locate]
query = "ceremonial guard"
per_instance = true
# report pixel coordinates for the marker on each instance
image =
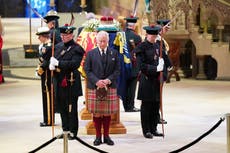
(148, 56)
(132, 39)
(66, 60)
(163, 23)
(45, 51)
(102, 69)
(51, 20)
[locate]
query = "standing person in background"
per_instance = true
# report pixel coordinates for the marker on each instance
(1, 62)
(52, 23)
(102, 70)
(132, 39)
(67, 59)
(51, 20)
(148, 56)
(45, 52)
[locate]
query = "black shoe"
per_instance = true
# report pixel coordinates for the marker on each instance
(108, 141)
(162, 121)
(43, 124)
(157, 134)
(136, 109)
(148, 135)
(133, 110)
(97, 141)
(72, 136)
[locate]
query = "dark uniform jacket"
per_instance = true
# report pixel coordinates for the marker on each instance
(45, 51)
(148, 55)
(132, 36)
(95, 71)
(69, 56)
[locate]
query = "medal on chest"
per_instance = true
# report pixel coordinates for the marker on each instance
(63, 52)
(43, 50)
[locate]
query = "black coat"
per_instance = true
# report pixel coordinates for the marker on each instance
(148, 56)
(69, 56)
(132, 36)
(95, 71)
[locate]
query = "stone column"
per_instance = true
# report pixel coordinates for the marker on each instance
(220, 28)
(200, 73)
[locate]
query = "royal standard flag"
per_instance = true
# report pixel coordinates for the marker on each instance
(87, 40)
(125, 63)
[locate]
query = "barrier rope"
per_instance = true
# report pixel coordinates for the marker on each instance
(60, 136)
(101, 151)
(45, 144)
(199, 138)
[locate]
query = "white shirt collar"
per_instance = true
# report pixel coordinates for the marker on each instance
(101, 50)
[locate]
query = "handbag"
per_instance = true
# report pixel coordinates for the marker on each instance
(101, 93)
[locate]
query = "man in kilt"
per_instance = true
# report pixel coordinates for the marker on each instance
(67, 58)
(102, 70)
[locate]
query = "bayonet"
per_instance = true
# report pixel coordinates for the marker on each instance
(135, 8)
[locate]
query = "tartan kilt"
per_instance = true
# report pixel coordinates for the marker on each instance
(109, 106)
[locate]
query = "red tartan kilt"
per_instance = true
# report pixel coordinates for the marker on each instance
(109, 106)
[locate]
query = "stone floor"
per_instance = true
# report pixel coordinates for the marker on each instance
(191, 108)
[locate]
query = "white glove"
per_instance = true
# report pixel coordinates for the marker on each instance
(160, 65)
(51, 67)
(36, 74)
(170, 68)
(54, 61)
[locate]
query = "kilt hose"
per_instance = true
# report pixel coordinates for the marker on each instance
(108, 106)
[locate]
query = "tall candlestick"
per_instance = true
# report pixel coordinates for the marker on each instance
(82, 2)
(52, 4)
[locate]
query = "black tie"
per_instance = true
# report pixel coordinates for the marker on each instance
(103, 59)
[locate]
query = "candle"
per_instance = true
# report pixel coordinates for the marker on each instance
(52, 4)
(82, 2)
